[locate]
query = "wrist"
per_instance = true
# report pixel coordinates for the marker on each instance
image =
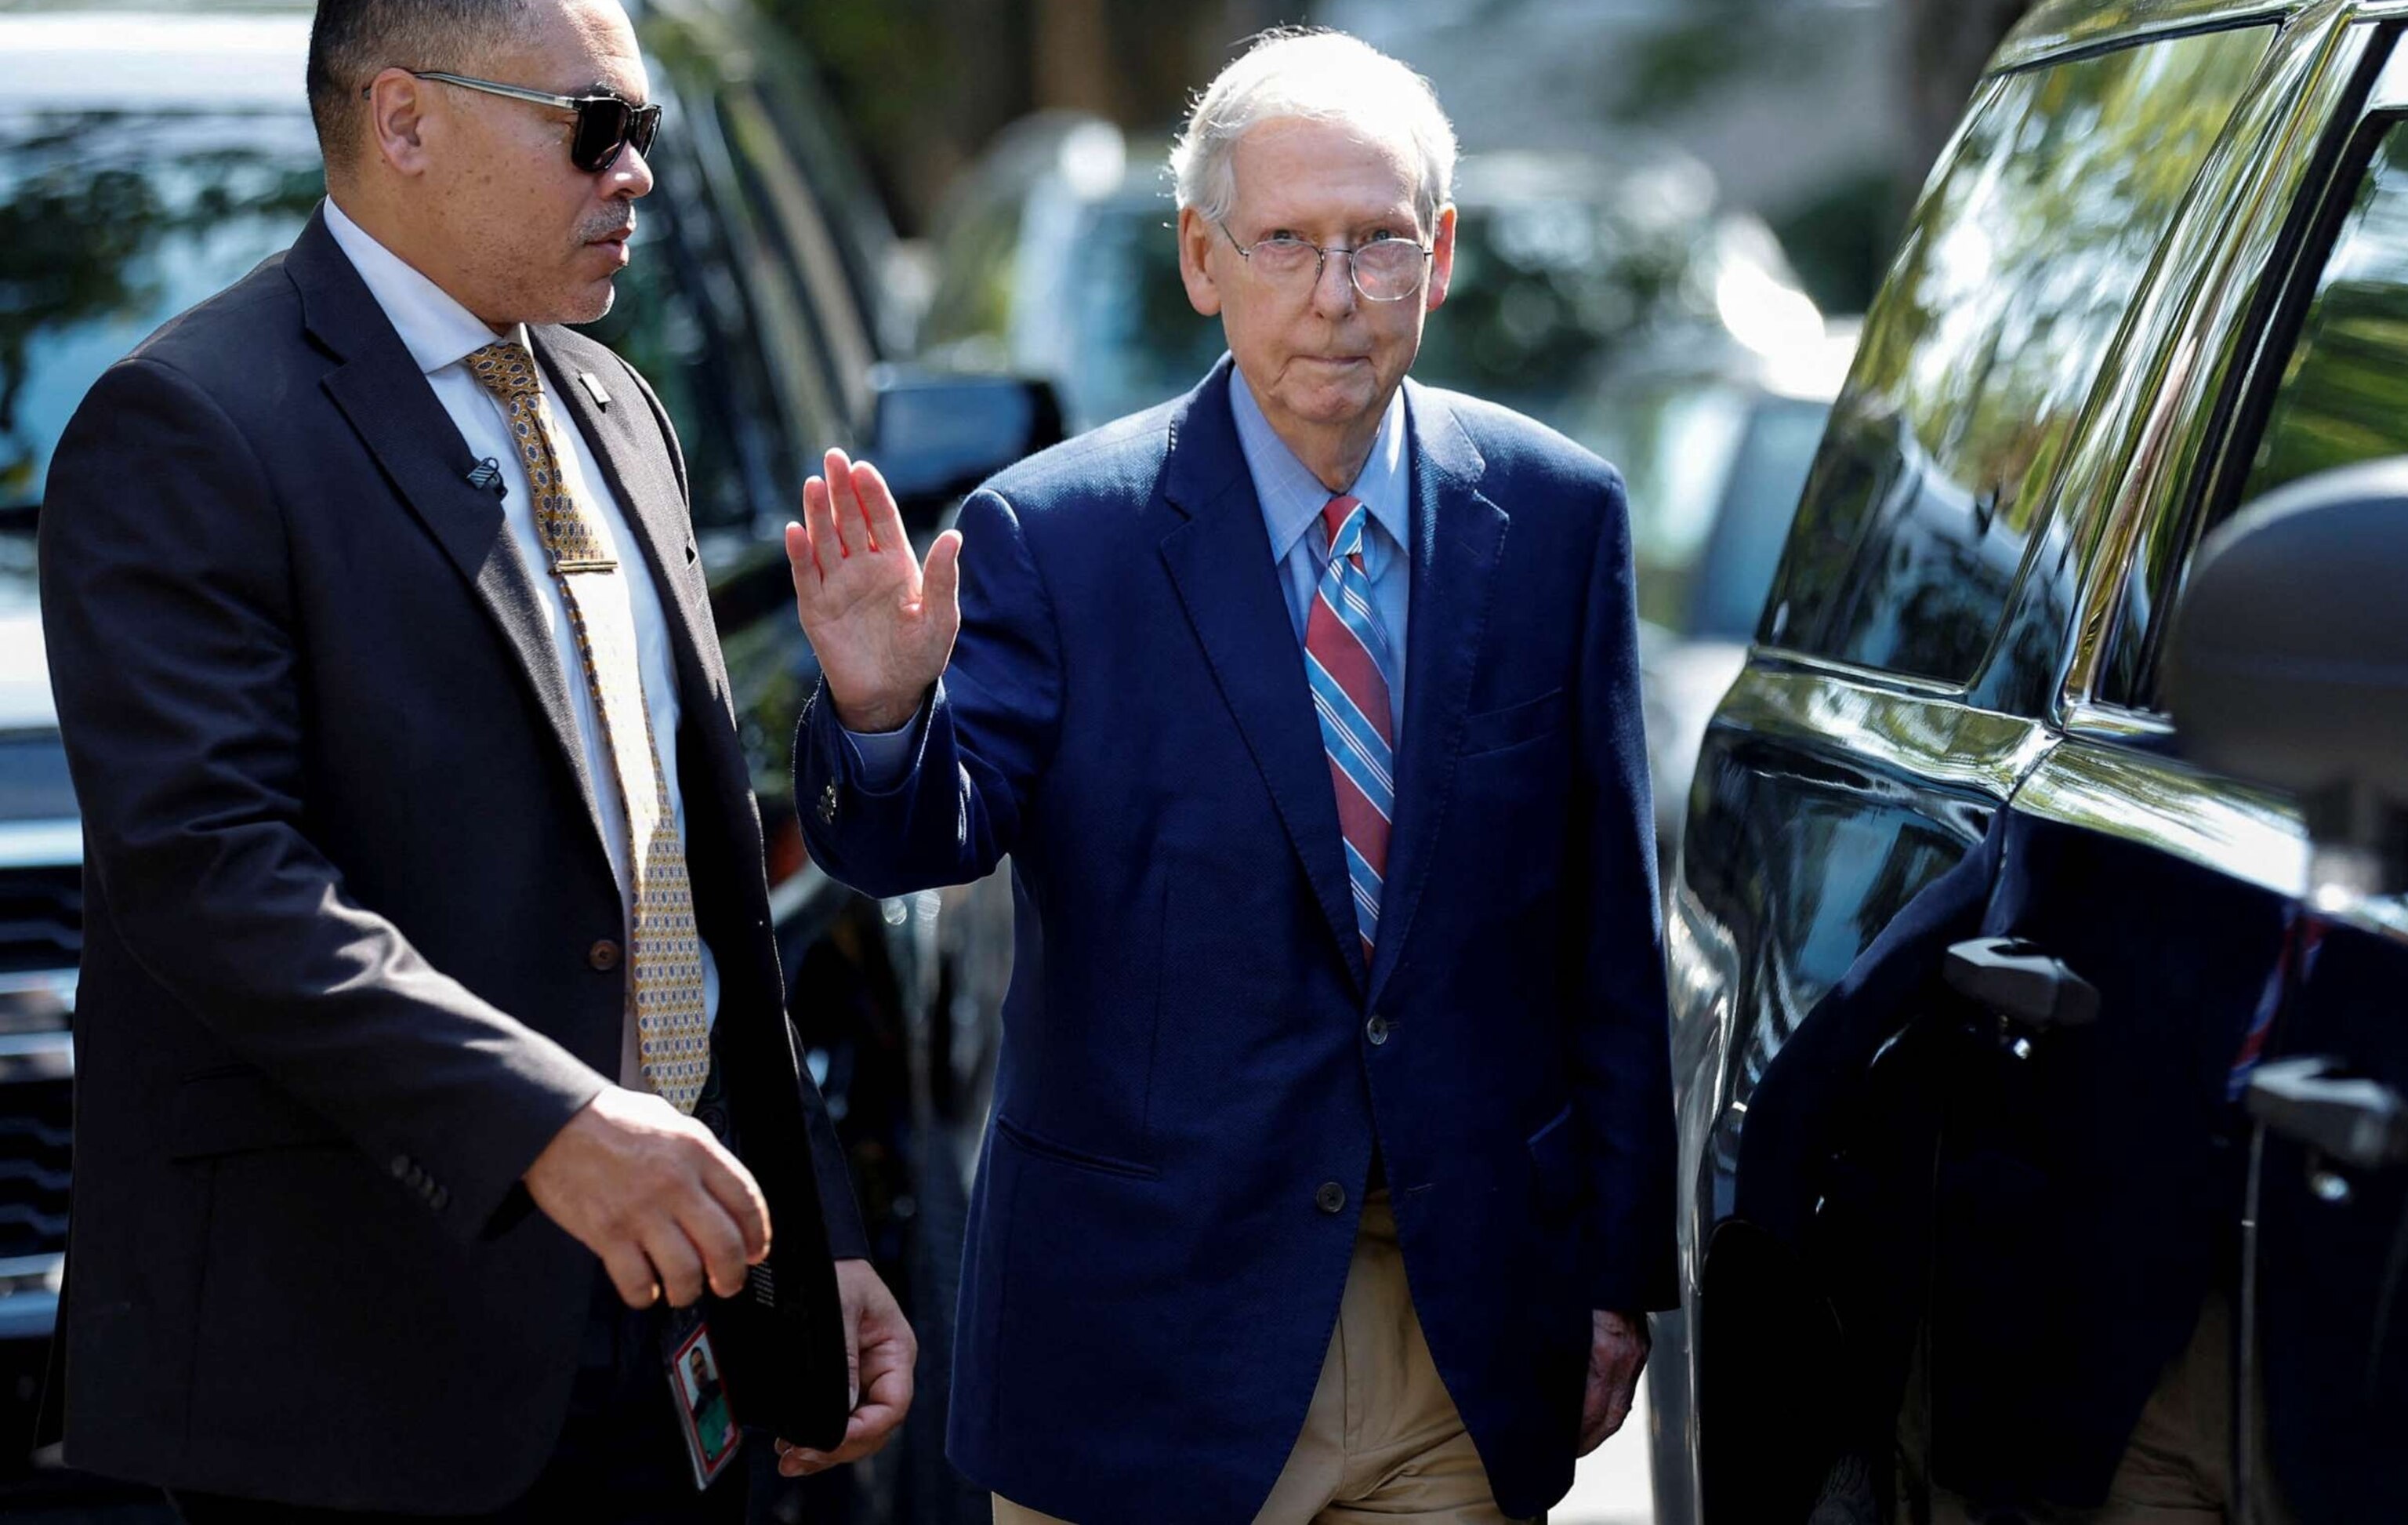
(877, 717)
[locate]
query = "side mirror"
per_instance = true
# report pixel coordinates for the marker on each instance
(2287, 660)
(935, 436)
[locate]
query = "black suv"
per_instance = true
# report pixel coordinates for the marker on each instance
(149, 159)
(2039, 1046)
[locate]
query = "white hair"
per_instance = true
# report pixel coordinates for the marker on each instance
(1321, 75)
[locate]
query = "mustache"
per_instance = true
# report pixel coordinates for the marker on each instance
(608, 226)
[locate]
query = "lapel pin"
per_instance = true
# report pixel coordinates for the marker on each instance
(592, 387)
(487, 475)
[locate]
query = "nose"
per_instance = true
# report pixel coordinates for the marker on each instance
(1333, 290)
(632, 175)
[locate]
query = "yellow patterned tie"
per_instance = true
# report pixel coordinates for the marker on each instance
(664, 949)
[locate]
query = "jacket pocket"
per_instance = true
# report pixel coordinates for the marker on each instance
(1494, 730)
(235, 1112)
(1045, 1149)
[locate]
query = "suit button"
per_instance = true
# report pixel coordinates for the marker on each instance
(603, 956)
(1331, 1198)
(401, 1167)
(439, 1199)
(1377, 1031)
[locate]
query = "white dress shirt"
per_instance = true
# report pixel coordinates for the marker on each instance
(440, 334)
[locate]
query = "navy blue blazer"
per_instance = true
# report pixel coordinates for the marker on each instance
(1196, 1067)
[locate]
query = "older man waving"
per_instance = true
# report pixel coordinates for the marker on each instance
(1307, 709)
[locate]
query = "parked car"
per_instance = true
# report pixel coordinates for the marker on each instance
(147, 160)
(2035, 948)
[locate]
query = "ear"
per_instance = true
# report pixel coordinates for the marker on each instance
(401, 111)
(1195, 269)
(1441, 257)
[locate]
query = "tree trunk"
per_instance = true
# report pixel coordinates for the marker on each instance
(1943, 45)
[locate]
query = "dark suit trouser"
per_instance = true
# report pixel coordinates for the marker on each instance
(621, 1459)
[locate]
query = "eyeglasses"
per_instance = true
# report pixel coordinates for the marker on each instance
(605, 123)
(1385, 269)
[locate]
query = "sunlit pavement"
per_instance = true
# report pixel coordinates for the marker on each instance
(1610, 1488)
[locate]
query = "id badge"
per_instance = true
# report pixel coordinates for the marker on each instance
(705, 1415)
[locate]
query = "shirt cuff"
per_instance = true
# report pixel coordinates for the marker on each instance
(882, 759)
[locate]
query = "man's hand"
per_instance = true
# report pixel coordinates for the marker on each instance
(649, 1190)
(881, 626)
(879, 1350)
(1617, 1350)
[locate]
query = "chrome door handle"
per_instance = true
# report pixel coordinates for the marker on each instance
(2020, 981)
(2351, 1121)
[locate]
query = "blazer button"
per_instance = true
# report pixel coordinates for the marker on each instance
(603, 956)
(439, 1199)
(1377, 1031)
(1331, 1199)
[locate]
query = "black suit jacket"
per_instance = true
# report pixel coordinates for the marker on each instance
(345, 889)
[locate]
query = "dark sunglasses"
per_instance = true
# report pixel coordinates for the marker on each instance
(605, 123)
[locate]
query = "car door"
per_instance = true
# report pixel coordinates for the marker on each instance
(1897, 694)
(2321, 1380)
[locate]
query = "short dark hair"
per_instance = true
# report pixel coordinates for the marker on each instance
(352, 41)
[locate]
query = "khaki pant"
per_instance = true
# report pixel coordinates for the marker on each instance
(2177, 1468)
(1383, 1440)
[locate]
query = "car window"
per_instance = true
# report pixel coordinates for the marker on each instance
(1981, 352)
(116, 222)
(2340, 395)
(806, 258)
(1768, 471)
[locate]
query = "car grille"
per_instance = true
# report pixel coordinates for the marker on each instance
(41, 919)
(34, 1168)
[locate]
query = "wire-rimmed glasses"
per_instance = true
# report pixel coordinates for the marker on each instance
(1387, 268)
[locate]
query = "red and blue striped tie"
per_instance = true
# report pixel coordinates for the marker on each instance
(1346, 659)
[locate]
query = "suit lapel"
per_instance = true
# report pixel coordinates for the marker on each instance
(1458, 535)
(381, 390)
(1220, 559)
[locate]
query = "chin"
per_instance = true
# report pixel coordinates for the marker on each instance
(589, 306)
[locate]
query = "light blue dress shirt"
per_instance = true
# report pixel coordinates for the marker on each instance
(1292, 499)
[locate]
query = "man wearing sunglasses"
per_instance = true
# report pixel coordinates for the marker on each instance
(436, 1097)
(1307, 709)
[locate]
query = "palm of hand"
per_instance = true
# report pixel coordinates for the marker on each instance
(881, 624)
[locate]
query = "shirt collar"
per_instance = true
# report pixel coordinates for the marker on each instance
(1292, 497)
(436, 329)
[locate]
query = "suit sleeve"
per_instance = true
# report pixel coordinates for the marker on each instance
(978, 750)
(1620, 1040)
(166, 607)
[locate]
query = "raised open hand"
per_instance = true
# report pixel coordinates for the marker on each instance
(883, 626)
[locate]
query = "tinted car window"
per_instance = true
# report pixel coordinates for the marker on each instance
(2343, 393)
(1981, 353)
(2343, 396)
(111, 223)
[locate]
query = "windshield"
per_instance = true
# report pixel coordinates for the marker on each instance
(113, 223)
